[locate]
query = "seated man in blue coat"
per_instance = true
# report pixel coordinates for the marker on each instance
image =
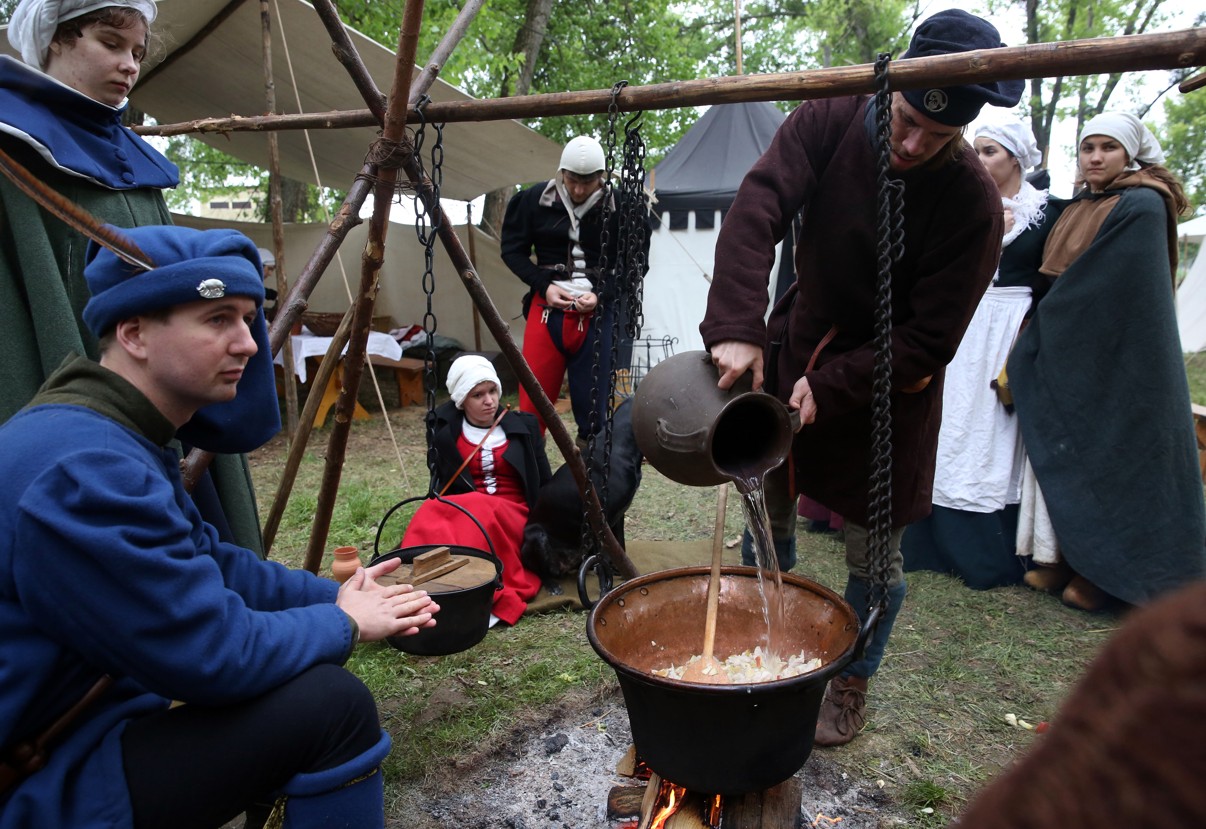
(116, 598)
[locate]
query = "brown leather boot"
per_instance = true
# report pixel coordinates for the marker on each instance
(1082, 594)
(843, 711)
(1048, 578)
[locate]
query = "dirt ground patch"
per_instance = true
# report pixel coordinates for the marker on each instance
(557, 773)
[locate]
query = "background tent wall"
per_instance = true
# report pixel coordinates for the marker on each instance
(401, 294)
(694, 186)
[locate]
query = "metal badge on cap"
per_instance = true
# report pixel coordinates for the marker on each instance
(936, 100)
(212, 288)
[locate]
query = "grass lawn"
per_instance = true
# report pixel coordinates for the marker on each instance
(958, 662)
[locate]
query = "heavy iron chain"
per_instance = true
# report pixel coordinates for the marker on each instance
(621, 270)
(427, 227)
(889, 249)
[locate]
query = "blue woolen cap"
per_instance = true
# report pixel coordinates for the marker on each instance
(193, 265)
(189, 265)
(945, 33)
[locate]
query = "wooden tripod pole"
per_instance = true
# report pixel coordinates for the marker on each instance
(1093, 56)
(291, 306)
(392, 147)
(502, 334)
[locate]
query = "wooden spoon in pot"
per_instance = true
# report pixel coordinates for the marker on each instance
(708, 669)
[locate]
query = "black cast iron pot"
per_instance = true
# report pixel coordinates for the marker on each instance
(464, 616)
(720, 739)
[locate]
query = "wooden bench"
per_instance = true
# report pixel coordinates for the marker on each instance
(408, 372)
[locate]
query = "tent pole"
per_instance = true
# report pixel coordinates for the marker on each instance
(278, 221)
(477, 315)
(1127, 53)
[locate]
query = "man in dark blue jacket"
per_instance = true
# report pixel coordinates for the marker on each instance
(116, 598)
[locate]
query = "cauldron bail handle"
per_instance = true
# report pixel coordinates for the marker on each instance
(603, 571)
(689, 443)
(432, 496)
(866, 630)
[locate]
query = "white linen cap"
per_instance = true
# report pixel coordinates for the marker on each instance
(34, 22)
(1015, 136)
(466, 372)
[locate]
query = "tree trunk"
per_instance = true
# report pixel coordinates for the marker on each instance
(294, 197)
(528, 41)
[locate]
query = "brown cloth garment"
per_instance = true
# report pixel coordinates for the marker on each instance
(1128, 747)
(822, 162)
(1082, 219)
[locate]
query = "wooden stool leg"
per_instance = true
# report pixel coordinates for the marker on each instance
(331, 394)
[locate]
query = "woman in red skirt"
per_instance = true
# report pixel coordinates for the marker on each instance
(491, 463)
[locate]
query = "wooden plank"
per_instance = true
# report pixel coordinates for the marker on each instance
(625, 801)
(781, 805)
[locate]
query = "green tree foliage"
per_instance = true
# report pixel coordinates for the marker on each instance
(1082, 97)
(1183, 138)
(584, 45)
(207, 173)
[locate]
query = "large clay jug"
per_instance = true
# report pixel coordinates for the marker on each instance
(696, 434)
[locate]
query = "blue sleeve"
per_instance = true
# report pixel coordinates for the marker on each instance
(121, 573)
(268, 585)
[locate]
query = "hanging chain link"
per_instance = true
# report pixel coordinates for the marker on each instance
(621, 271)
(427, 227)
(889, 249)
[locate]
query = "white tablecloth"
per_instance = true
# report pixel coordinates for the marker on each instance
(306, 345)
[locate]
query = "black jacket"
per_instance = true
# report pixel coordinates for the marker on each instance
(531, 227)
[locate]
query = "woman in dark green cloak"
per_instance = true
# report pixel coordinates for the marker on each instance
(1098, 379)
(61, 111)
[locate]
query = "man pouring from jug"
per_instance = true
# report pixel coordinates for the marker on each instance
(821, 165)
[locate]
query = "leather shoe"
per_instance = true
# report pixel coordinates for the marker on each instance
(1082, 594)
(843, 711)
(1048, 578)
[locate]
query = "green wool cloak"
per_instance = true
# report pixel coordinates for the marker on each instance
(1099, 383)
(43, 293)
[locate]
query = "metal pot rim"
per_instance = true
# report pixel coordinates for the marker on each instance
(774, 686)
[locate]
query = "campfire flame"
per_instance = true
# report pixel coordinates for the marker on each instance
(672, 798)
(669, 798)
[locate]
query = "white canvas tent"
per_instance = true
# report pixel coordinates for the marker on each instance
(1191, 295)
(401, 292)
(694, 185)
(218, 71)
(212, 66)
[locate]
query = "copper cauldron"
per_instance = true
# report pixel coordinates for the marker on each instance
(721, 739)
(698, 435)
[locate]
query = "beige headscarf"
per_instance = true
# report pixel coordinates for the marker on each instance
(34, 22)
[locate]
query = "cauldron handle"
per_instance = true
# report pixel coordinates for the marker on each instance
(865, 631)
(603, 570)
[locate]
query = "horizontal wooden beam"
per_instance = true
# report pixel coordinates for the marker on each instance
(1095, 56)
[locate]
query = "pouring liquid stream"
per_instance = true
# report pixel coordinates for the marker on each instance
(770, 580)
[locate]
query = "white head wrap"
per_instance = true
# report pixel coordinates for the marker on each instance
(267, 258)
(34, 22)
(466, 372)
(1129, 131)
(1014, 136)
